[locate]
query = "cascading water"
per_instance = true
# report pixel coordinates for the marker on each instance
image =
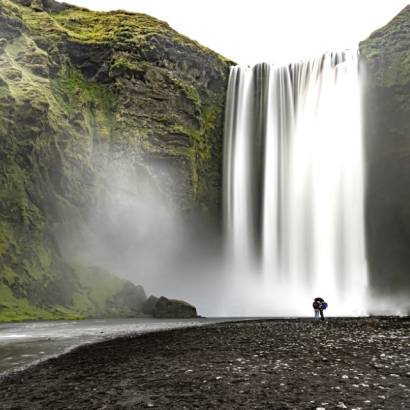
(293, 185)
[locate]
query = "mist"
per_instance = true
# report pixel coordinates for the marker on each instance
(136, 228)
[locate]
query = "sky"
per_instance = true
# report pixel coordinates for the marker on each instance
(253, 31)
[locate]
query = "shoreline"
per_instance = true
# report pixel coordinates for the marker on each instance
(84, 319)
(6, 373)
(17, 342)
(218, 320)
(266, 363)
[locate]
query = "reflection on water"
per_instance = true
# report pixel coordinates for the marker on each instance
(22, 344)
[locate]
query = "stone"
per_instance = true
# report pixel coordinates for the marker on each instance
(175, 309)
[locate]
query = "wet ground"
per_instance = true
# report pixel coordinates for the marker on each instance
(264, 364)
(24, 343)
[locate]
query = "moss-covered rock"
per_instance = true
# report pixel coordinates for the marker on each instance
(385, 60)
(77, 90)
(173, 309)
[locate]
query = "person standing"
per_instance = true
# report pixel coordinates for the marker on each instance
(319, 305)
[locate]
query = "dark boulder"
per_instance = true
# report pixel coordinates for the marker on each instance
(171, 308)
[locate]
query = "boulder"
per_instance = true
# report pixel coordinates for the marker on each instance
(171, 308)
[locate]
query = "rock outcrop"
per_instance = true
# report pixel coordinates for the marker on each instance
(173, 309)
(79, 90)
(386, 63)
(149, 305)
(130, 299)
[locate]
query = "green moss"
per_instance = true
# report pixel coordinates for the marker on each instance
(96, 288)
(117, 26)
(6, 237)
(99, 27)
(192, 93)
(37, 263)
(9, 275)
(123, 64)
(77, 95)
(18, 309)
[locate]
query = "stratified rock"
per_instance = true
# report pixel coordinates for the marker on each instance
(171, 308)
(149, 305)
(80, 90)
(386, 65)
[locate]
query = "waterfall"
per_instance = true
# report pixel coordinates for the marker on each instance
(294, 184)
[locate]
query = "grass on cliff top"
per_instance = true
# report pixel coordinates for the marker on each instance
(119, 26)
(88, 26)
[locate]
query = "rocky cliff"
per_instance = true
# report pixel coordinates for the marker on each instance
(80, 90)
(386, 64)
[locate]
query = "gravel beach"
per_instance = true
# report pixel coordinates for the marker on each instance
(260, 364)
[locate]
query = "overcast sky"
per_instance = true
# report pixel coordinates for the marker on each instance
(251, 31)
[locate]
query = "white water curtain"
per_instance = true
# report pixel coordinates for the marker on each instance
(294, 184)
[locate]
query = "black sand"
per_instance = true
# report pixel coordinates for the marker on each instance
(267, 364)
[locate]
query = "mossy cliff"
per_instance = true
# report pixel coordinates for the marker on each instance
(79, 89)
(385, 60)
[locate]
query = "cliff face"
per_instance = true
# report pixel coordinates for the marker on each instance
(386, 63)
(80, 90)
